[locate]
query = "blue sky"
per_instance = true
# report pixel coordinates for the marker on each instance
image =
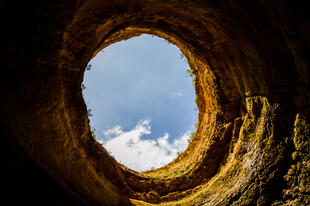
(141, 98)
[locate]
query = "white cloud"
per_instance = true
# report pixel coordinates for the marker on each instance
(139, 154)
(117, 130)
(176, 94)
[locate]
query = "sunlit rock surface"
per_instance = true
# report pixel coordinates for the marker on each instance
(251, 61)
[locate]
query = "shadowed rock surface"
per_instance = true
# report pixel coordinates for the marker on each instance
(251, 62)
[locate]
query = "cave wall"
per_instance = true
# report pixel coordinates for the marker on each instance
(251, 61)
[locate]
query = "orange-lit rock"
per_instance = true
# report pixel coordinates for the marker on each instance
(251, 60)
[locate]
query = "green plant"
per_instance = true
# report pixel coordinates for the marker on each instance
(89, 112)
(191, 137)
(190, 73)
(93, 130)
(182, 56)
(180, 172)
(88, 67)
(83, 86)
(196, 125)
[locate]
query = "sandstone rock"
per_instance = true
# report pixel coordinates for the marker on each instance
(251, 61)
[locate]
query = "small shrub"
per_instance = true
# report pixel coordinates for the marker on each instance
(88, 67)
(93, 130)
(89, 113)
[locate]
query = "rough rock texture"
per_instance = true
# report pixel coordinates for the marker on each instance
(251, 61)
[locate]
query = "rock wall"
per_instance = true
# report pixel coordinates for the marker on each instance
(251, 62)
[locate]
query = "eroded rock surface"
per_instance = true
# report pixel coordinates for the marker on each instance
(251, 61)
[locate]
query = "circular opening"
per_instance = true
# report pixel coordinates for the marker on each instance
(141, 101)
(250, 61)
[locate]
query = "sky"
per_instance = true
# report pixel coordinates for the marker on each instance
(142, 101)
